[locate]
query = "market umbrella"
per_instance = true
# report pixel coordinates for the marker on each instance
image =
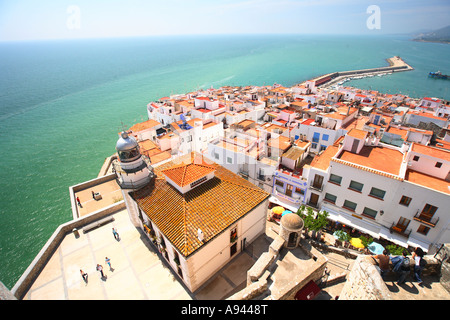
(356, 242)
(286, 212)
(376, 248)
(278, 210)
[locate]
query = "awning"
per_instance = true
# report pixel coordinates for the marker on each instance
(366, 109)
(308, 292)
(418, 243)
(393, 237)
(283, 204)
(359, 224)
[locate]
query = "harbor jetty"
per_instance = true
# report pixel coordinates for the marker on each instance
(396, 64)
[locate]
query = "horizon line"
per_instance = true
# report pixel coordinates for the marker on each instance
(202, 34)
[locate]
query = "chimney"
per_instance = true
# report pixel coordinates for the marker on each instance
(200, 235)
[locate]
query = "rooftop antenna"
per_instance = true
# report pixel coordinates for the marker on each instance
(124, 126)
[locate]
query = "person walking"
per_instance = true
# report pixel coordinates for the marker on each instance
(116, 235)
(108, 262)
(100, 268)
(419, 264)
(84, 275)
(79, 203)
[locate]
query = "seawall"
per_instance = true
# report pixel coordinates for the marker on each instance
(396, 64)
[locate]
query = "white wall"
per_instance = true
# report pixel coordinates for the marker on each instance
(391, 206)
(204, 263)
(427, 164)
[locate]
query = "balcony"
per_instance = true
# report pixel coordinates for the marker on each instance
(426, 219)
(399, 229)
(316, 186)
(244, 174)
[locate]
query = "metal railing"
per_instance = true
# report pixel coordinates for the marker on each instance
(420, 217)
(400, 230)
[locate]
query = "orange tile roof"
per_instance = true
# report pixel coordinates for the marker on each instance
(144, 125)
(185, 174)
(322, 161)
(378, 160)
(158, 157)
(357, 133)
(211, 207)
(427, 181)
(431, 151)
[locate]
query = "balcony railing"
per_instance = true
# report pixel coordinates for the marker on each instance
(316, 186)
(400, 230)
(426, 219)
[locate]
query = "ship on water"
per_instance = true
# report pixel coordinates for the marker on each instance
(438, 75)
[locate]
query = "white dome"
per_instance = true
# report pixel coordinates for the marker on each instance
(126, 142)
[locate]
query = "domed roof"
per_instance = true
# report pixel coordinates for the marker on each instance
(291, 221)
(126, 142)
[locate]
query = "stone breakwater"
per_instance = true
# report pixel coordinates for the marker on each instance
(396, 64)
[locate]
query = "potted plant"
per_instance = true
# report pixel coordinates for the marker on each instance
(366, 241)
(308, 220)
(318, 223)
(343, 236)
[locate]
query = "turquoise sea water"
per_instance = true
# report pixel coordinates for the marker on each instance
(62, 104)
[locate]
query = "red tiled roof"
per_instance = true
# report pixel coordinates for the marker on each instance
(185, 174)
(379, 160)
(427, 181)
(431, 151)
(211, 207)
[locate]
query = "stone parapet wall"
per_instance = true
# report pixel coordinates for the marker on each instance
(364, 282)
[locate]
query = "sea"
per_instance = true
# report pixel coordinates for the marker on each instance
(63, 103)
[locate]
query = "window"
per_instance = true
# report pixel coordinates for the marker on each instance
(349, 205)
(289, 190)
(299, 191)
(335, 179)
(316, 137)
(377, 193)
(325, 137)
(229, 160)
(416, 158)
(438, 164)
(279, 183)
(423, 230)
(322, 147)
(429, 210)
(405, 200)
(314, 145)
(261, 175)
(330, 197)
(318, 180)
(233, 235)
(369, 212)
(233, 249)
(216, 156)
(356, 186)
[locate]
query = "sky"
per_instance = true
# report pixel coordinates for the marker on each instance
(71, 19)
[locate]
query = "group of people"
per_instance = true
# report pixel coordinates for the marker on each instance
(99, 267)
(401, 264)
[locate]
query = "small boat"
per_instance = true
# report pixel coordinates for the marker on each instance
(438, 75)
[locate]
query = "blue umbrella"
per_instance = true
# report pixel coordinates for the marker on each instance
(376, 248)
(286, 212)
